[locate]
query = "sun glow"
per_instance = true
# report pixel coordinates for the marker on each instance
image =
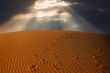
(41, 8)
(50, 3)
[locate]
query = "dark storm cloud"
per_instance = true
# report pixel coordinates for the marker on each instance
(8, 8)
(96, 12)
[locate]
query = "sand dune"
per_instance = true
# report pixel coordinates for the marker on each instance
(54, 52)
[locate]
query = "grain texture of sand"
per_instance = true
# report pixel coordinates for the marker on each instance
(54, 52)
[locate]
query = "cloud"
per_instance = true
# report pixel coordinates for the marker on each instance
(9, 8)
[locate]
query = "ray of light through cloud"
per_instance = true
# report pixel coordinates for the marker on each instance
(50, 14)
(54, 11)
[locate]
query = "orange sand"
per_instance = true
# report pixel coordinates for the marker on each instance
(54, 52)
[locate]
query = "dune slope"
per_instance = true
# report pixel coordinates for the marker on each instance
(54, 52)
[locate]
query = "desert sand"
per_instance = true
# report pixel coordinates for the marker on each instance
(45, 51)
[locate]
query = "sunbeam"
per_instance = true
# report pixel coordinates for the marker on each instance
(49, 15)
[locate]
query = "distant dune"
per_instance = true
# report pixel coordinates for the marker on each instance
(54, 52)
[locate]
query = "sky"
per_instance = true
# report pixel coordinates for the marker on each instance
(80, 15)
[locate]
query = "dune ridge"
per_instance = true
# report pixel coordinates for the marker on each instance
(45, 51)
